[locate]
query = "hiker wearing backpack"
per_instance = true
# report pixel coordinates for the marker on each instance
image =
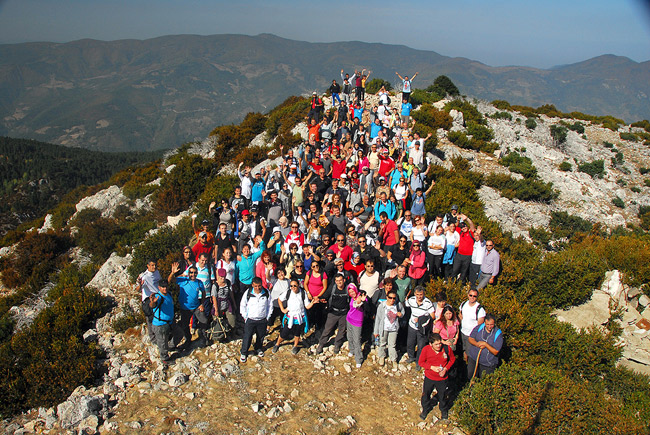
(471, 314)
(420, 323)
(436, 359)
(337, 310)
(485, 343)
(162, 307)
(256, 307)
(294, 304)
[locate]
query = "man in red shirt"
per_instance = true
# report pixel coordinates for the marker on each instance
(436, 359)
(389, 233)
(341, 249)
(386, 164)
(203, 246)
(463, 258)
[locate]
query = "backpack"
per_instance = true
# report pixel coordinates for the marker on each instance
(264, 293)
(478, 307)
(339, 296)
(153, 311)
(146, 308)
(387, 100)
(496, 333)
(301, 291)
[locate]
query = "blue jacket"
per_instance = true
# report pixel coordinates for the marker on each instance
(246, 267)
(163, 312)
(389, 208)
(191, 292)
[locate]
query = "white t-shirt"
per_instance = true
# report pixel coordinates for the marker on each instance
(230, 269)
(452, 238)
(479, 252)
(470, 315)
(149, 283)
(369, 283)
(296, 306)
(390, 320)
(437, 240)
(426, 307)
(400, 191)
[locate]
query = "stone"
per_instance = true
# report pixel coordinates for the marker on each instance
(113, 274)
(633, 292)
(47, 224)
(135, 425)
(613, 286)
(644, 301)
(110, 426)
(229, 369)
(256, 406)
(595, 312)
(287, 407)
(74, 410)
(106, 201)
(178, 379)
(89, 424)
(347, 367)
(294, 393)
(121, 383)
(273, 412)
(349, 421)
(90, 335)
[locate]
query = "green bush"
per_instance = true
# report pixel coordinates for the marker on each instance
(618, 159)
(540, 236)
(470, 112)
(520, 399)
(461, 140)
(558, 134)
(528, 189)
(578, 127)
(565, 166)
(629, 136)
(635, 189)
(479, 132)
(501, 105)
(443, 85)
(644, 215)
(595, 169)
(531, 124)
(373, 86)
(519, 164)
(431, 118)
(421, 96)
(180, 188)
(608, 144)
(646, 182)
(45, 362)
(563, 224)
(138, 184)
(618, 202)
(502, 115)
(129, 318)
(645, 124)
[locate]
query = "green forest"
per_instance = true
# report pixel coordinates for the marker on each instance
(35, 175)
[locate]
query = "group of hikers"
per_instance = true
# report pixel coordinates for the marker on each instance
(333, 244)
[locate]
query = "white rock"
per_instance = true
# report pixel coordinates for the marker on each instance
(256, 406)
(274, 412)
(177, 380)
(347, 367)
(47, 224)
(644, 300)
(106, 201)
(113, 275)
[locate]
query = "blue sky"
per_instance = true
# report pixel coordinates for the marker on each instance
(542, 33)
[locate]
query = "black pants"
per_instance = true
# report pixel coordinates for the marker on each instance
(317, 316)
(481, 371)
(406, 96)
(415, 338)
(333, 322)
(257, 327)
(474, 270)
(359, 93)
(441, 387)
(435, 266)
(461, 266)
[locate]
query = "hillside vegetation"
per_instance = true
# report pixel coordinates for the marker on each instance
(35, 175)
(554, 379)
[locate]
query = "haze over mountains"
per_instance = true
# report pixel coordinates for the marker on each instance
(158, 93)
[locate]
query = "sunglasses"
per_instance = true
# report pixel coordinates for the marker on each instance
(391, 297)
(293, 286)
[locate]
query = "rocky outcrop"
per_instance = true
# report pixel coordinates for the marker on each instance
(113, 275)
(108, 200)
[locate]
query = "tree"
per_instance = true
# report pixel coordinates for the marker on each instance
(443, 85)
(374, 85)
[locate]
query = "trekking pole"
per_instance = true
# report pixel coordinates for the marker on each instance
(478, 357)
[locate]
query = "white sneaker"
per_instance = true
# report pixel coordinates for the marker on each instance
(358, 365)
(350, 354)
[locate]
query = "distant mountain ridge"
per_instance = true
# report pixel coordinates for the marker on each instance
(129, 95)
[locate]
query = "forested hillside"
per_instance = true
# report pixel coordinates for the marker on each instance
(35, 175)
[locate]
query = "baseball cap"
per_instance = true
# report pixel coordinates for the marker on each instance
(245, 213)
(221, 272)
(454, 207)
(276, 229)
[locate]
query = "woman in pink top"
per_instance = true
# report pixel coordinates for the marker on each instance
(355, 322)
(448, 327)
(418, 262)
(315, 286)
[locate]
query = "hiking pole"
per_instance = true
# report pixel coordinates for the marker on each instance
(478, 358)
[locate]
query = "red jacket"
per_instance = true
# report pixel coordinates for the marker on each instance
(429, 358)
(466, 244)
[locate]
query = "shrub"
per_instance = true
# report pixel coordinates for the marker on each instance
(629, 136)
(528, 189)
(635, 189)
(432, 118)
(61, 213)
(519, 164)
(520, 399)
(164, 242)
(443, 85)
(129, 318)
(565, 166)
(470, 112)
(618, 159)
(563, 224)
(96, 235)
(576, 126)
(421, 96)
(215, 189)
(645, 124)
(182, 185)
(45, 362)
(646, 182)
(608, 144)
(461, 140)
(558, 134)
(644, 215)
(531, 124)
(540, 236)
(618, 202)
(479, 132)
(502, 115)
(138, 184)
(595, 169)
(373, 86)
(501, 104)
(644, 171)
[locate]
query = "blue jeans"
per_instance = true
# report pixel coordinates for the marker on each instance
(336, 97)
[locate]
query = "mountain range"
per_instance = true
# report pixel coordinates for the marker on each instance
(136, 95)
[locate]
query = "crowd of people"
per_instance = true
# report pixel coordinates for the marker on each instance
(334, 243)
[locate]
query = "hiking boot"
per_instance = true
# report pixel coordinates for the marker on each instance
(243, 358)
(424, 413)
(275, 349)
(319, 350)
(337, 350)
(260, 353)
(444, 415)
(295, 350)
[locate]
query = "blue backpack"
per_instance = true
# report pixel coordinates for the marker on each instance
(496, 334)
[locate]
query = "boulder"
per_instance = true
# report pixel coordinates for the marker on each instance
(77, 408)
(106, 201)
(47, 224)
(178, 379)
(595, 312)
(113, 274)
(458, 121)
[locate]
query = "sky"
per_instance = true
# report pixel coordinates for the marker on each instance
(542, 34)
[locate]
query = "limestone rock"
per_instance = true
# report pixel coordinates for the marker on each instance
(113, 274)
(458, 121)
(77, 408)
(178, 379)
(106, 201)
(47, 224)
